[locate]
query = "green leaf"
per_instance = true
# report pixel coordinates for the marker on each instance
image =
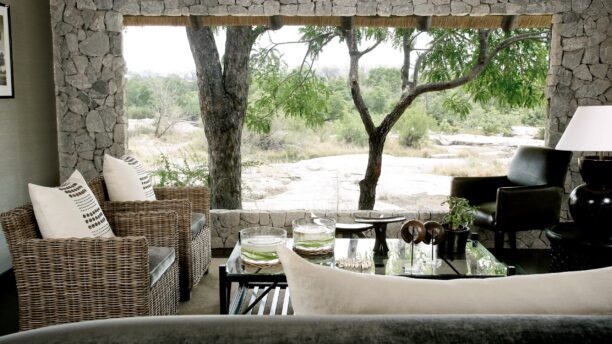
(515, 77)
(457, 104)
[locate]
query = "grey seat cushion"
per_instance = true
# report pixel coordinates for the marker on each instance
(160, 260)
(198, 221)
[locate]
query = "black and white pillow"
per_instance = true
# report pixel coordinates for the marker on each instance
(127, 180)
(69, 211)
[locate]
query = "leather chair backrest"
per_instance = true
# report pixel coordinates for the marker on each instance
(539, 166)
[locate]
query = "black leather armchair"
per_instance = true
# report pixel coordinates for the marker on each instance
(529, 197)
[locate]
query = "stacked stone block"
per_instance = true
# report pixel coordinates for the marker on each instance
(89, 84)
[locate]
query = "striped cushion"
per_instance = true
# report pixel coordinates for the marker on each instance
(127, 180)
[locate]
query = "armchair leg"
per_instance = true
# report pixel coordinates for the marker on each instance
(499, 242)
(512, 241)
(185, 293)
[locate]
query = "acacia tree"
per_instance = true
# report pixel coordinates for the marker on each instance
(223, 90)
(169, 103)
(509, 67)
(168, 100)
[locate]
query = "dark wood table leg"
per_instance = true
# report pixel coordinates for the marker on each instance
(224, 290)
(380, 245)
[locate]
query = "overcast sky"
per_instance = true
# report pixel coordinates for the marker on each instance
(165, 50)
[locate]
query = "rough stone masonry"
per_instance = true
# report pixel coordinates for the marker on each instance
(90, 69)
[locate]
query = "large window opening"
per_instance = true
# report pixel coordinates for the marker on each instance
(316, 160)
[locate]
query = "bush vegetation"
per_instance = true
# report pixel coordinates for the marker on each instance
(335, 129)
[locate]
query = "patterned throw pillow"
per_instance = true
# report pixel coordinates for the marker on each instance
(127, 180)
(69, 211)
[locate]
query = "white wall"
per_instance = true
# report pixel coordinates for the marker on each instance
(28, 129)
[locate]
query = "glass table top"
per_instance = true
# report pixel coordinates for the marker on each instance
(403, 260)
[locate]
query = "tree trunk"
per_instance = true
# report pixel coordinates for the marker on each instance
(223, 94)
(367, 186)
(224, 132)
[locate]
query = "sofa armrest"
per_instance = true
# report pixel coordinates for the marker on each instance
(478, 190)
(528, 207)
(199, 196)
(159, 227)
(81, 279)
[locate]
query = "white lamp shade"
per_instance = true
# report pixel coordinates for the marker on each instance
(590, 130)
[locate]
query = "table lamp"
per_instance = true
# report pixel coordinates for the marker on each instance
(590, 204)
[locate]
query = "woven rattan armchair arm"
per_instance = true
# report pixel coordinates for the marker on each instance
(80, 279)
(181, 207)
(199, 196)
(159, 227)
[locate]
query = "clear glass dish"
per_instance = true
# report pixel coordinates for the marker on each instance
(314, 235)
(259, 245)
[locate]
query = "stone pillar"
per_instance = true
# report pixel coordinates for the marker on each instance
(89, 79)
(580, 68)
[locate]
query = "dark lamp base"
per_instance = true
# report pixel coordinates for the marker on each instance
(591, 204)
(595, 170)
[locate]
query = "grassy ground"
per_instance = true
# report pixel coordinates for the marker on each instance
(287, 145)
(415, 172)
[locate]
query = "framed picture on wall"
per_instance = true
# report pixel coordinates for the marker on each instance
(6, 61)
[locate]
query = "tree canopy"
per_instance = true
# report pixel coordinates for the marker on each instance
(482, 61)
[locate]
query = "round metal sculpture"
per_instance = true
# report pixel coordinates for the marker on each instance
(434, 233)
(413, 231)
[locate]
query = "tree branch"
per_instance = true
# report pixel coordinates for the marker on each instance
(371, 47)
(484, 57)
(258, 31)
(351, 42)
(328, 38)
(422, 56)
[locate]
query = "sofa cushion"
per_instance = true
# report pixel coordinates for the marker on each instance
(319, 290)
(127, 180)
(68, 211)
(160, 259)
(405, 329)
(198, 221)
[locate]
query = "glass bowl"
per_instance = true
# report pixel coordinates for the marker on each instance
(314, 235)
(258, 245)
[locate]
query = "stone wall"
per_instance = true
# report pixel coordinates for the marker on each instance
(227, 223)
(580, 70)
(89, 83)
(89, 65)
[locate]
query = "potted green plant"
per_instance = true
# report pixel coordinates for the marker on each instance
(457, 224)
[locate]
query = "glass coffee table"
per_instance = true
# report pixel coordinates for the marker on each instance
(263, 290)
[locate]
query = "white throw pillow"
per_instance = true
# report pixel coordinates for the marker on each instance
(69, 211)
(127, 180)
(318, 290)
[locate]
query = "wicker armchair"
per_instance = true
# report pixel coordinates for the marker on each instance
(194, 250)
(70, 280)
